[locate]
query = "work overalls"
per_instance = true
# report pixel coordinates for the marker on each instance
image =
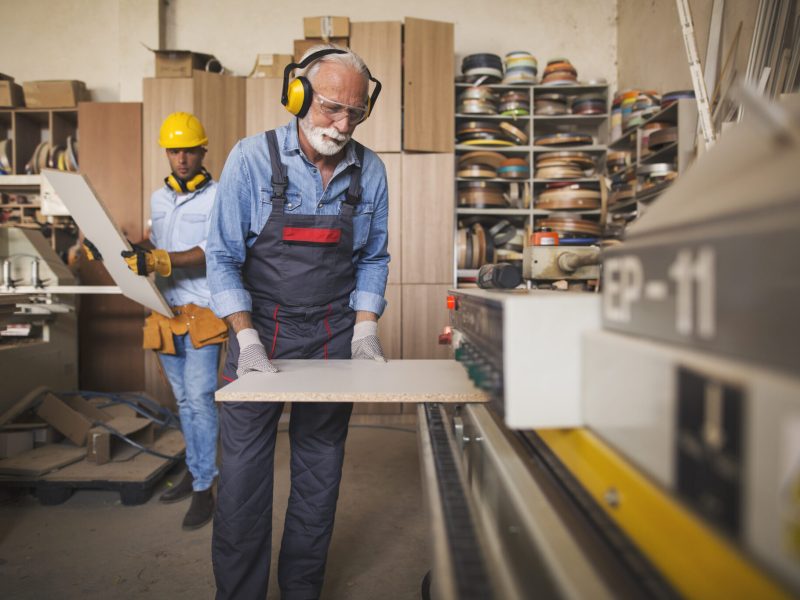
(300, 275)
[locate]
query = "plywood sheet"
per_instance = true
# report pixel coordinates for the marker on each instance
(264, 110)
(94, 220)
(41, 460)
(427, 255)
(394, 182)
(380, 44)
(356, 381)
(429, 96)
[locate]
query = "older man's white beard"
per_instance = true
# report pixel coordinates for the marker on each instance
(326, 147)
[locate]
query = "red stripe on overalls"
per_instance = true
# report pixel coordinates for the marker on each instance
(228, 379)
(309, 234)
(275, 335)
(328, 329)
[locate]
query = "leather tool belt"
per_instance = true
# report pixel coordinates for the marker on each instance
(203, 326)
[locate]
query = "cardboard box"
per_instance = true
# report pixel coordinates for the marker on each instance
(181, 63)
(326, 28)
(73, 416)
(103, 445)
(15, 442)
(10, 93)
(54, 94)
(271, 65)
(301, 46)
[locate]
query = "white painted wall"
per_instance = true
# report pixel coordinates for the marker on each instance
(97, 41)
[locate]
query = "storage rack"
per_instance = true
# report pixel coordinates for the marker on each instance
(683, 115)
(534, 125)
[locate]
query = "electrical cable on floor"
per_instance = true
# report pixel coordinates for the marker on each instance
(135, 444)
(167, 417)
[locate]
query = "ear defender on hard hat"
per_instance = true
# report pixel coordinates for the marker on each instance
(185, 187)
(297, 95)
(182, 130)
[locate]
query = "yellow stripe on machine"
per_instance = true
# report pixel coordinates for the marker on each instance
(693, 558)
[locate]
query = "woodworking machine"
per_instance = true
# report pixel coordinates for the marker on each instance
(644, 441)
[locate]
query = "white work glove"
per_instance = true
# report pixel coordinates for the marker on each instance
(252, 354)
(365, 344)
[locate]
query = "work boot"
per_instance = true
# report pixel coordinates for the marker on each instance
(201, 511)
(178, 492)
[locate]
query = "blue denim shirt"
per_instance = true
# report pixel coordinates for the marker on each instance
(180, 222)
(244, 203)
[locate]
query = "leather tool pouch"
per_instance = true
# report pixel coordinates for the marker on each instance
(151, 333)
(205, 328)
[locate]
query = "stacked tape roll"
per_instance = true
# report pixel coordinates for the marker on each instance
(564, 165)
(477, 100)
(514, 103)
(569, 196)
(71, 159)
(5, 157)
(620, 192)
(564, 139)
(514, 168)
(660, 138)
(522, 68)
(559, 71)
(486, 67)
(502, 232)
(476, 172)
(481, 194)
(651, 175)
(589, 104)
(515, 133)
(649, 129)
(482, 157)
(672, 97)
(566, 224)
(490, 133)
(550, 104)
(636, 106)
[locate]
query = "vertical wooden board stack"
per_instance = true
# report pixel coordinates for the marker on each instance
(264, 108)
(428, 94)
(110, 326)
(425, 314)
(380, 45)
(427, 220)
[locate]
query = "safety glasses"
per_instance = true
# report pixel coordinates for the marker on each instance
(336, 111)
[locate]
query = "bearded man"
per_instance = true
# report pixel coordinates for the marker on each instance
(297, 264)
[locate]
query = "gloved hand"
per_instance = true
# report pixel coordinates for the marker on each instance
(90, 251)
(144, 262)
(365, 344)
(252, 354)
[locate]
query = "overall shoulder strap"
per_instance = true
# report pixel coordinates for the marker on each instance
(280, 180)
(354, 191)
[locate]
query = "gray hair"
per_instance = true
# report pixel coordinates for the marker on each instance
(350, 59)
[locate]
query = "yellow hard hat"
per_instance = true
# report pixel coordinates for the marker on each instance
(182, 130)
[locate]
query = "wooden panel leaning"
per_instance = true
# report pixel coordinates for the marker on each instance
(429, 96)
(263, 105)
(380, 44)
(424, 316)
(427, 255)
(110, 326)
(394, 180)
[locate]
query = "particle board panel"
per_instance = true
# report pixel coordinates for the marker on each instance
(41, 460)
(160, 98)
(427, 219)
(424, 309)
(394, 171)
(380, 44)
(264, 110)
(356, 381)
(428, 91)
(390, 333)
(94, 220)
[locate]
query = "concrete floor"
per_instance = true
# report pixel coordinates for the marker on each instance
(94, 547)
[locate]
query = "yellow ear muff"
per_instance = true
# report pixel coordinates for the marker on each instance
(298, 97)
(185, 187)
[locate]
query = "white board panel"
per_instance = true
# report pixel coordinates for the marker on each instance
(96, 224)
(356, 381)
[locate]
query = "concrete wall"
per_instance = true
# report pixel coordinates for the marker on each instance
(98, 41)
(650, 43)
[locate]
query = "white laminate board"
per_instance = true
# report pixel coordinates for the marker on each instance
(96, 224)
(356, 381)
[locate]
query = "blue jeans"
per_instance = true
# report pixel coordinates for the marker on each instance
(193, 376)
